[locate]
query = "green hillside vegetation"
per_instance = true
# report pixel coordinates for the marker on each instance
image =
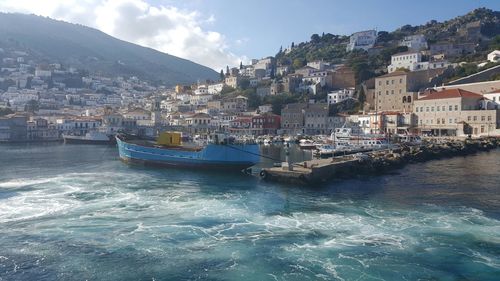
(87, 48)
(332, 48)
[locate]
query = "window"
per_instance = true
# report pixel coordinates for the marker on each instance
(437, 108)
(475, 118)
(400, 80)
(456, 107)
(392, 82)
(489, 118)
(482, 129)
(408, 99)
(449, 120)
(444, 107)
(468, 118)
(416, 109)
(392, 92)
(387, 92)
(483, 118)
(432, 108)
(421, 109)
(387, 82)
(438, 120)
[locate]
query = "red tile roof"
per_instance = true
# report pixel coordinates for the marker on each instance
(451, 93)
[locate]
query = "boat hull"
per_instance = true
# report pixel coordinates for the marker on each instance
(88, 141)
(230, 157)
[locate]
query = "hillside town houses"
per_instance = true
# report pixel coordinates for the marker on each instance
(42, 101)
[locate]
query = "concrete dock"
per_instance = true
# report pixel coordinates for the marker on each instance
(322, 170)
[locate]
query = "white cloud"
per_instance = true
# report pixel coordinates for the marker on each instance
(168, 29)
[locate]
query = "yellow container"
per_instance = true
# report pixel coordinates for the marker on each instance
(169, 139)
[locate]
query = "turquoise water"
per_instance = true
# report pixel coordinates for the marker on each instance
(74, 212)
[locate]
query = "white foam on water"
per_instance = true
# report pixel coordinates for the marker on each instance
(17, 183)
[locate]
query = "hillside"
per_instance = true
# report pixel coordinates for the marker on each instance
(92, 50)
(332, 48)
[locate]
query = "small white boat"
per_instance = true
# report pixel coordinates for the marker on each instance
(325, 150)
(307, 144)
(92, 137)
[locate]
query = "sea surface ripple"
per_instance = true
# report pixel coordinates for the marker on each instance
(75, 212)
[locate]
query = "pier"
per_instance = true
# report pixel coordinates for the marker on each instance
(322, 170)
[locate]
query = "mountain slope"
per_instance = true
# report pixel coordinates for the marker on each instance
(90, 49)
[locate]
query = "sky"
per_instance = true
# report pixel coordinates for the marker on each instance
(217, 33)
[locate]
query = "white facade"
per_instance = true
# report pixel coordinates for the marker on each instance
(494, 97)
(319, 65)
(321, 80)
(42, 73)
(340, 95)
(265, 108)
(494, 56)
(413, 62)
(414, 42)
(362, 40)
(200, 99)
(215, 88)
(202, 90)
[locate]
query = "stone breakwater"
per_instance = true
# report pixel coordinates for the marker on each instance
(321, 170)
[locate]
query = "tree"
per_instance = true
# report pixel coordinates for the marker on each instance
(244, 83)
(362, 95)
(221, 75)
(241, 65)
(293, 45)
(226, 90)
(227, 70)
(298, 63)
(315, 38)
(31, 106)
(254, 100)
(384, 36)
(5, 111)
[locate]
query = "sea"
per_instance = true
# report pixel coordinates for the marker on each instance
(76, 212)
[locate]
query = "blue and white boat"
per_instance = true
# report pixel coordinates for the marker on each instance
(219, 153)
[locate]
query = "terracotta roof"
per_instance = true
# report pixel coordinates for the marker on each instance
(451, 93)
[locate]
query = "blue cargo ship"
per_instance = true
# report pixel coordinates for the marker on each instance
(223, 154)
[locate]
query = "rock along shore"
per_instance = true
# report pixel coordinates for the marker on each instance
(376, 162)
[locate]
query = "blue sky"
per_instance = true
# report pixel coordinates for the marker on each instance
(217, 33)
(265, 25)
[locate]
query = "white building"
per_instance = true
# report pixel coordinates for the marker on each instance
(340, 95)
(412, 61)
(214, 89)
(362, 40)
(200, 99)
(265, 108)
(414, 42)
(318, 64)
(494, 97)
(138, 114)
(202, 90)
(42, 73)
(321, 80)
(494, 56)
